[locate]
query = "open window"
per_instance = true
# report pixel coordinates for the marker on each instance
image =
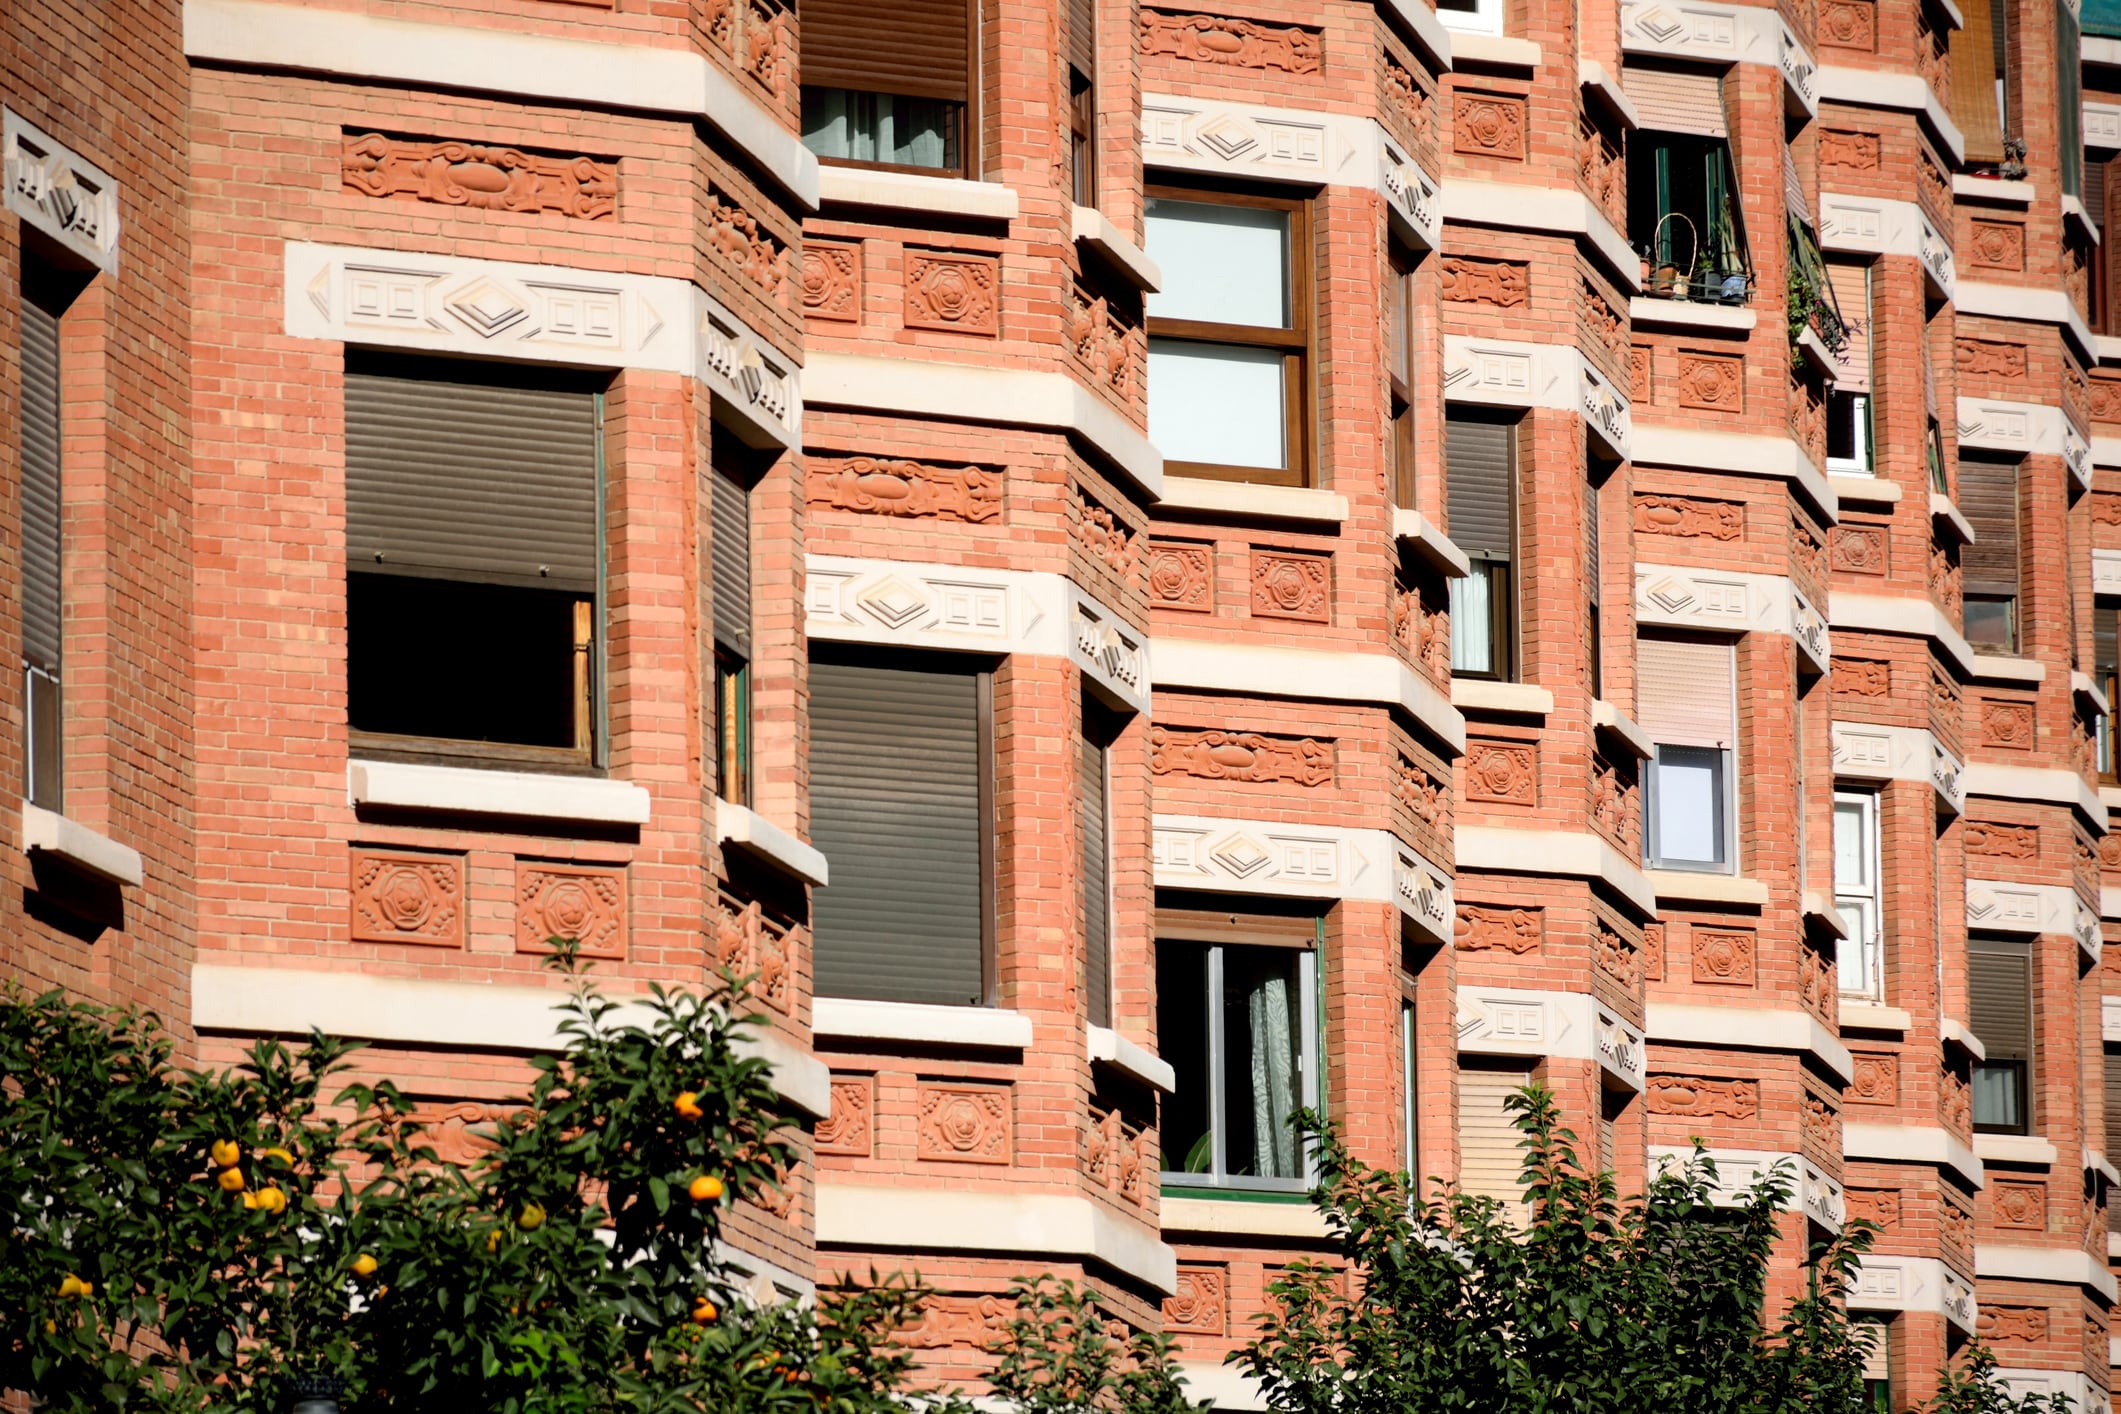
(2000, 996)
(889, 85)
(1471, 16)
(733, 469)
(1848, 404)
(2106, 669)
(1684, 217)
(1399, 372)
(474, 545)
(1859, 897)
(1686, 700)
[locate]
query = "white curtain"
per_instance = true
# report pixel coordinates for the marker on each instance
(1471, 643)
(1273, 1080)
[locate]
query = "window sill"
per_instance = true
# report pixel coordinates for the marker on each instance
(1620, 729)
(1104, 1046)
(462, 790)
(1599, 83)
(1815, 349)
(1252, 500)
(49, 833)
(2015, 1149)
(1690, 314)
(1820, 913)
(757, 836)
(1862, 487)
(1958, 1033)
(1094, 230)
(911, 191)
(1687, 886)
(1859, 1015)
(918, 1023)
(1492, 51)
(1421, 535)
(1947, 514)
(1241, 1217)
(2002, 667)
(2088, 692)
(1485, 695)
(2096, 1162)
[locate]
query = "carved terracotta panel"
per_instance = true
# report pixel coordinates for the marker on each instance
(746, 944)
(583, 904)
(1639, 374)
(1406, 96)
(745, 245)
(1616, 803)
(1237, 44)
(832, 280)
(1690, 517)
(459, 1134)
(2007, 724)
(1427, 797)
(1488, 125)
(1200, 1304)
(1502, 771)
(1723, 956)
(908, 489)
(1693, 1097)
(1815, 983)
(1653, 952)
(1862, 549)
(1291, 586)
(1848, 24)
(1861, 677)
(1104, 536)
(1955, 1101)
(1182, 575)
(480, 176)
(1503, 284)
(1820, 1125)
(1511, 930)
(2000, 1323)
(1239, 756)
(1854, 150)
(1874, 1079)
(1598, 318)
(2106, 509)
(957, 293)
(1989, 357)
(1877, 1206)
(1104, 343)
(956, 1322)
(850, 1130)
(2103, 398)
(1997, 245)
(1118, 1156)
(1616, 953)
(965, 1124)
(407, 898)
(2020, 1205)
(2000, 841)
(1711, 382)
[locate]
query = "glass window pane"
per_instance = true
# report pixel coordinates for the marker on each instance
(880, 127)
(1182, 1039)
(1991, 623)
(1216, 404)
(1396, 321)
(1852, 865)
(1472, 622)
(1856, 958)
(1997, 1101)
(1262, 1034)
(1222, 264)
(1689, 812)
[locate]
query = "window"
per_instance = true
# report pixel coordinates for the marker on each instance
(1933, 455)
(1979, 96)
(1399, 374)
(1988, 498)
(1480, 479)
(2000, 996)
(1489, 1159)
(1876, 1334)
(1471, 16)
(1848, 405)
(1082, 100)
(2106, 671)
(2113, 1127)
(1228, 334)
(1409, 1100)
(474, 506)
(730, 497)
(901, 794)
(889, 86)
(1683, 215)
(1858, 896)
(42, 433)
(1595, 472)
(1236, 1000)
(1094, 837)
(2069, 99)
(1686, 701)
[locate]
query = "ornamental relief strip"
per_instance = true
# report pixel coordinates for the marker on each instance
(59, 192)
(1289, 861)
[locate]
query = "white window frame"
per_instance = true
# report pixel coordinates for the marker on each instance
(1484, 18)
(1408, 1100)
(1862, 909)
(1725, 815)
(1307, 1065)
(1865, 462)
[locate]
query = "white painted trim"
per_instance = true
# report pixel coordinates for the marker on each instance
(1732, 601)
(2028, 304)
(1869, 1016)
(2106, 451)
(1094, 230)
(917, 192)
(2097, 50)
(1512, 373)
(747, 829)
(991, 1220)
(1814, 1194)
(1604, 86)
(486, 59)
(264, 997)
(958, 608)
(1425, 28)
(1237, 1217)
(1942, 509)
(1571, 854)
(1701, 886)
(2075, 214)
(1690, 447)
(1617, 726)
(1909, 93)
(2042, 785)
(1650, 313)
(2009, 193)
(981, 393)
(2070, 1266)
(1864, 751)
(1868, 225)
(2074, 1384)
(849, 1019)
(1917, 1284)
(1262, 670)
(1510, 1021)
(770, 1283)
(1546, 211)
(1493, 51)
(1426, 539)
(2088, 692)
(1957, 1033)
(1104, 1046)
(1818, 911)
(1759, 1029)
(2000, 667)
(2110, 908)
(2095, 1162)
(2015, 1149)
(1225, 1386)
(60, 192)
(1485, 695)
(523, 795)
(1863, 489)
(2025, 429)
(1252, 500)
(48, 832)
(1905, 615)
(1303, 861)
(1911, 1144)
(2102, 125)
(2033, 910)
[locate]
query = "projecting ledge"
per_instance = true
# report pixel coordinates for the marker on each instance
(1758, 1030)
(46, 832)
(992, 1220)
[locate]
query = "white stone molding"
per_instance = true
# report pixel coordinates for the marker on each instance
(2106, 451)
(1993, 189)
(2001, 906)
(1509, 373)
(2027, 429)
(2040, 784)
(1424, 28)
(1911, 1144)
(1296, 861)
(1222, 1386)
(1415, 531)
(483, 58)
(2110, 1019)
(1569, 854)
(1814, 1194)
(1618, 728)
(1651, 313)
(1864, 751)
(2102, 126)
(1868, 225)
(2110, 910)
(1508, 1021)
(1870, 1016)
(1095, 231)
(746, 829)
(1600, 83)
(1726, 34)
(2070, 1266)
(2016, 1149)
(971, 1027)
(58, 191)
(1775, 456)
(265, 997)
(1263, 670)
(1904, 615)
(547, 313)
(1104, 1046)
(1920, 1284)
(1250, 500)
(2075, 1384)
(1546, 211)
(1730, 601)
(1706, 886)
(522, 795)
(1909, 93)
(1260, 143)
(1223, 1217)
(903, 603)
(48, 832)
(919, 192)
(1954, 1032)
(1523, 699)
(2106, 571)
(1015, 397)
(992, 1220)
(2029, 305)
(1798, 1032)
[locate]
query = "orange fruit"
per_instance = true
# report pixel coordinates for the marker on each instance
(73, 1286)
(705, 1189)
(687, 1104)
(231, 1180)
(281, 1154)
(493, 1240)
(364, 1265)
(531, 1218)
(703, 1311)
(51, 1327)
(250, 1200)
(225, 1153)
(272, 1200)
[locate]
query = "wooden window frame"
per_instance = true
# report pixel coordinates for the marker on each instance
(1082, 135)
(1297, 342)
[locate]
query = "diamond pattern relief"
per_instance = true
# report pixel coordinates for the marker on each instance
(1227, 138)
(894, 602)
(1241, 855)
(487, 308)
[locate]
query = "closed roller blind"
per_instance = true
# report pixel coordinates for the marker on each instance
(1988, 498)
(1260, 930)
(1676, 100)
(1478, 469)
(895, 805)
(920, 48)
(1093, 811)
(470, 480)
(2000, 996)
(1973, 61)
(1793, 197)
(1082, 36)
(1684, 692)
(2113, 1117)
(1489, 1160)
(1591, 567)
(731, 555)
(2106, 635)
(40, 484)
(1852, 293)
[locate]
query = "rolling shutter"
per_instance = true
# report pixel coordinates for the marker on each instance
(1684, 694)
(454, 477)
(1794, 200)
(1591, 568)
(2106, 636)
(2000, 996)
(1093, 812)
(1478, 470)
(731, 556)
(1082, 37)
(1988, 498)
(1973, 61)
(896, 805)
(1852, 295)
(919, 48)
(40, 485)
(1252, 930)
(2113, 1116)
(1489, 1159)
(1676, 100)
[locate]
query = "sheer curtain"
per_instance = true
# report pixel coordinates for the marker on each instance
(1273, 1080)
(1472, 646)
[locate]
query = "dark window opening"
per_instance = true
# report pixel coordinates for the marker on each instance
(890, 86)
(1684, 218)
